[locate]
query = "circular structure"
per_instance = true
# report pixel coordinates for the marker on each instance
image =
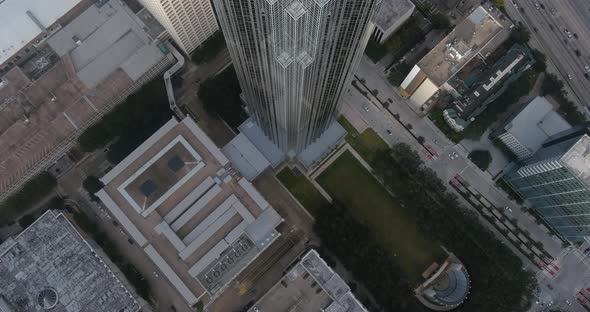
(450, 288)
(47, 298)
(447, 288)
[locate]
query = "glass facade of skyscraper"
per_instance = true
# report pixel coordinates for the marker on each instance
(557, 190)
(294, 60)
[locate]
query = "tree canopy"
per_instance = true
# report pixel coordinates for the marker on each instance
(221, 97)
(481, 158)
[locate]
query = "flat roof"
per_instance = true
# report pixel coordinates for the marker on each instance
(199, 221)
(461, 45)
(390, 12)
(246, 157)
(23, 20)
(51, 262)
(577, 159)
(311, 285)
(536, 123)
(104, 38)
(47, 100)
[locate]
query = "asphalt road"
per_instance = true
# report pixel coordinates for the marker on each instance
(558, 288)
(548, 23)
(445, 165)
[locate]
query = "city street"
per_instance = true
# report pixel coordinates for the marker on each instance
(446, 164)
(573, 271)
(560, 29)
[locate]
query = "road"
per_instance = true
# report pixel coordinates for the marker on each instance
(569, 53)
(444, 165)
(574, 268)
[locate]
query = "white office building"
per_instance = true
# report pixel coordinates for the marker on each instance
(189, 22)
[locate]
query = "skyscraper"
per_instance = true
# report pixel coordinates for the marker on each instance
(294, 59)
(189, 22)
(556, 182)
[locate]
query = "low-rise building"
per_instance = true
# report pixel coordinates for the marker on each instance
(310, 285)
(485, 86)
(477, 36)
(525, 132)
(195, 217)
(390, 17)
(96, 56)
(50, 267)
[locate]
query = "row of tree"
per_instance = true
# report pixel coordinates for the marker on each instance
(221, 97)
(130, 123)
(498, 280)
(33, 191)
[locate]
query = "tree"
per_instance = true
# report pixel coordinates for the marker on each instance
(551, 86)
(440, 21)
(500, 4)
(92, 185)
(209, 49)
(520, 34)
(420, 139)
(398, 74)
(221, 97)
(540, 61)
(481, 158)
(26, 220)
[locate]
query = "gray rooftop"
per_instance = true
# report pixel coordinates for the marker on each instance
(270, 151)
(536, 123)
(103, 39)
(577, 159)
(23, 20)
(311, 285)
(390, 12)
(328, 140)
(460, 46)
(50, 264)
(245, 157)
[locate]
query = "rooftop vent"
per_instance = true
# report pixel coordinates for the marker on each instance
(47, 298)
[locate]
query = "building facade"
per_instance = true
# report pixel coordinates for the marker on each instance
(189, 22)
(557, 186)
(392, 15)
(294, 59)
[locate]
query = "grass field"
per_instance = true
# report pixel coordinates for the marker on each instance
(366, 144)
(347, 181)
(303, 190)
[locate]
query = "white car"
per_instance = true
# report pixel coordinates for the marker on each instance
(569, 77)
(587, 68)
(365, 108)
(508, 209)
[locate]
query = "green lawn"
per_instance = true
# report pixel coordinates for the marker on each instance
(303, 190)
(366, 144)
(354, 187)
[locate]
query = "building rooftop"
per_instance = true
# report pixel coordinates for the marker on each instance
(105, 38)
(311, 285)
(51, 97)
(465, 41)
(49, 266)
(390, 12)
(196, 218)
(577, 158)
(536, 123)
(23, 20)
